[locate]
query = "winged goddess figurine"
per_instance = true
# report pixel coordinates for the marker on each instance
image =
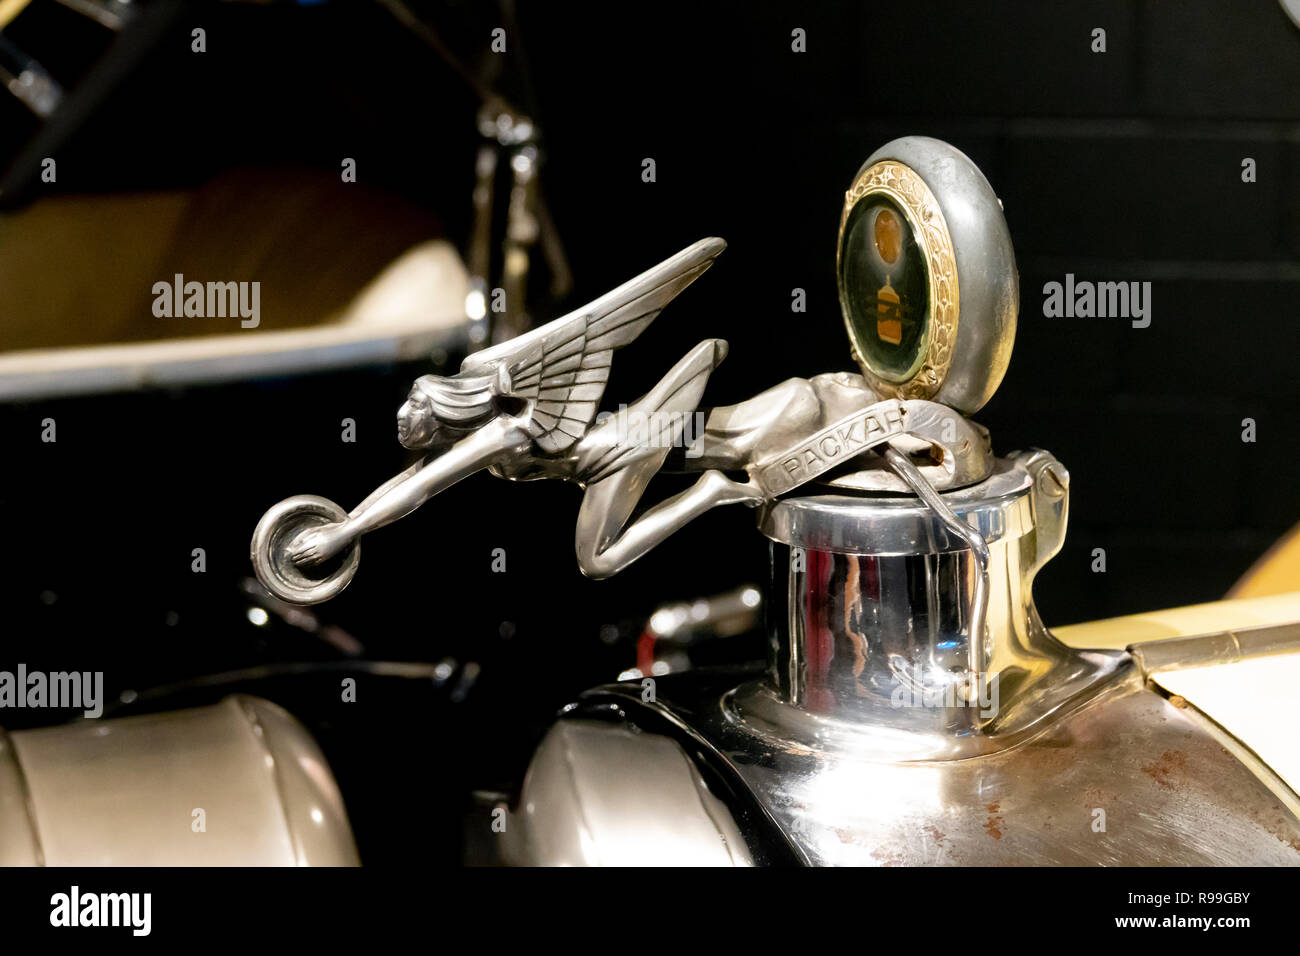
(527, 409)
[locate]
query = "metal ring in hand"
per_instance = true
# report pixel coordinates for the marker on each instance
(287, 581)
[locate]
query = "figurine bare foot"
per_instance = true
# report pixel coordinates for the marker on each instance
(721, 490)
(319, 544)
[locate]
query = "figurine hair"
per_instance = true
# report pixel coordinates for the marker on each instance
(462, 402)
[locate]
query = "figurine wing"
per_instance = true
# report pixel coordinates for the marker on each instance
(563, 366)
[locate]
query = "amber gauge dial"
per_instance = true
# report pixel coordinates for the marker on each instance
(926, 274)
(897, 281)
(885, 288)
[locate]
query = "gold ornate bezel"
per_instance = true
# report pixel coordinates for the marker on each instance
(904, 186)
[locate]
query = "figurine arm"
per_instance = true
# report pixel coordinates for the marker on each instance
(403, 494)
(386, 487)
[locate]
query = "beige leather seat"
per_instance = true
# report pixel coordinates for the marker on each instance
(239, 783)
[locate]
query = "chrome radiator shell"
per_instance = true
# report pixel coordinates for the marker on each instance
(1081, 761)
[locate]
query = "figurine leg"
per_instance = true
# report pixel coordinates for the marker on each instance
(601, 553)
(617, 460)
(648, 429)
(734, 433)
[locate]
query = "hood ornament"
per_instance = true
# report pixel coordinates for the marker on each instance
(929, 294)
(911, 687)
(527, 408)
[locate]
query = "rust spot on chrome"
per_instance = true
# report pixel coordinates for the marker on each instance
(1166, 771)
(1098, 797)
(887, 857)
(1284, 831)
(993, 826)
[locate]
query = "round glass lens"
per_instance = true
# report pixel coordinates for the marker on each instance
(885, 288)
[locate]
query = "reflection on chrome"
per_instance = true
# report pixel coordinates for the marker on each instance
(915, 709)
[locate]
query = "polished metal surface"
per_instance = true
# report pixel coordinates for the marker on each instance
(527, 409)
(999, 507)
(1132, 779)
(826, 416)
(126, 792)
(1218, 647)
(975, 294)
(977, 640)
(863, 746)
(866, 744)
(880, 645)
(278, 528)
(954, 447)
(1170, 792)
(964, 458)
(590, 779)
(915, 709)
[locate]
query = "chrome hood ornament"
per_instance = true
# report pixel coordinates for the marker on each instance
(928, 292)
(524, 409)
(527, 408)
(914, 709)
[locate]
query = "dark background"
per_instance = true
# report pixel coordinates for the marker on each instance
(1117, 166)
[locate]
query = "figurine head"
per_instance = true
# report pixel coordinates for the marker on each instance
(440, 410)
